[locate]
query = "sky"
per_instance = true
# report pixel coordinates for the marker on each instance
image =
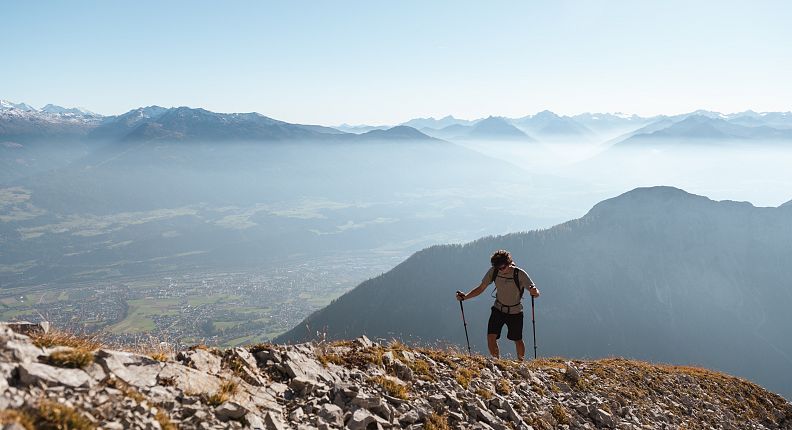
(376, 62)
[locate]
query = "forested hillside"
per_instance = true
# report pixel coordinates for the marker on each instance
(656, 273)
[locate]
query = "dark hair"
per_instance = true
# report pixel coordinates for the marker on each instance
(500, 258)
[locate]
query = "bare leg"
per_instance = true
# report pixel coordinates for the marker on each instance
(492, 344)
(520, 349)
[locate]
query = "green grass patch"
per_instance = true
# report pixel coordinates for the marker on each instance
(140, 312)
(204, 300)
(219, 325)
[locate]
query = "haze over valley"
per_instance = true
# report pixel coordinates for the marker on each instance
(235, 228)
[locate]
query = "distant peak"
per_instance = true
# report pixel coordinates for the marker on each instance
(644, 197)
(55, 109)
(659, 190)
(399, 132)
(7, 105)
(546, 113)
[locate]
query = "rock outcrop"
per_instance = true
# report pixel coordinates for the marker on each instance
(360, 385)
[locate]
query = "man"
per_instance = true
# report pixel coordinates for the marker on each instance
(507, 309)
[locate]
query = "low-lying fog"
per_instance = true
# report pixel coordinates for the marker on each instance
(760, 173)
(126, 209)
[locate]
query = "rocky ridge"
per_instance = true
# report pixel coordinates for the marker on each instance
(62, 381)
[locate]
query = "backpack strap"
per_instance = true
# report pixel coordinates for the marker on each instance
(516, 276)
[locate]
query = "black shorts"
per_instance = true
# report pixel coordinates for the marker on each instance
(514, 322)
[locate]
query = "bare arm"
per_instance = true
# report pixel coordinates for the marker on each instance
(473, 293)
(532, 290)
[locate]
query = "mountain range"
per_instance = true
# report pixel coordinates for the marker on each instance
(20, 122)
(656, 274)
(703, 128)
(492, 128)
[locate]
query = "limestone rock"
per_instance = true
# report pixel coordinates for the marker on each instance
(255, 422)
(360, 419)
(301, 365)
(403, 371)
(27, 328)
(35, 373)
(244, 356)
(202, 360)
(333, 414)
(230, 411)
(134, 369)
(364, 341)
(273, 422)
(602, 418)
(188, 380)
(572, 374)
(18, 348)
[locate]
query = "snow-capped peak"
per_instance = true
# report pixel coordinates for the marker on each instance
(7, 105)
(50, 108)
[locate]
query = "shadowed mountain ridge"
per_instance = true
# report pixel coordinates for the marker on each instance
(656, 273)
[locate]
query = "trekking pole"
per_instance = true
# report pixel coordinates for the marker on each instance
(533, 321)
(467, 339)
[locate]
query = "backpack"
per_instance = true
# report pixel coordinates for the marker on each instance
(516, 278)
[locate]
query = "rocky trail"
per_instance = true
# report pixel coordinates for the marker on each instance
(60, 381)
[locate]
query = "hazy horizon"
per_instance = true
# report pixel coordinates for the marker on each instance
(330, 63)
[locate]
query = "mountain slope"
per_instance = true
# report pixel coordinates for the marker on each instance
(656, 274)
(549, 125)
(400, 132)
(419, 123)
(495, 128)
(703, 128)
(187, 124)
(359, 385)
(20, 125)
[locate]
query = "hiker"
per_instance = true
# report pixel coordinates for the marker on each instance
(508, 308)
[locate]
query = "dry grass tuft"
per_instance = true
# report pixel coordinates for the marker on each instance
(327, 358)
(560, 414)
(227, 390)
(343, 343)
(422, 370)
(76, 358)
(484, 393)
(436, 422)
(359, 358)
(156, 347)
(235, 364)
(537, 423)
(88, 342)
(503, 387)
(263, 346)
(464, 375)
(391, 387)
(203, 347)
(164, 420)
(52, 415)
(11, 416)
(397, 346)
(547, 363)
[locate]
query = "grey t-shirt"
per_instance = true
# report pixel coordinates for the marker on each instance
(506, 291)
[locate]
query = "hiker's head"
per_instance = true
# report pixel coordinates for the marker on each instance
(501, 258)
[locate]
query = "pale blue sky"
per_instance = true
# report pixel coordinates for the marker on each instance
(385, 62)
